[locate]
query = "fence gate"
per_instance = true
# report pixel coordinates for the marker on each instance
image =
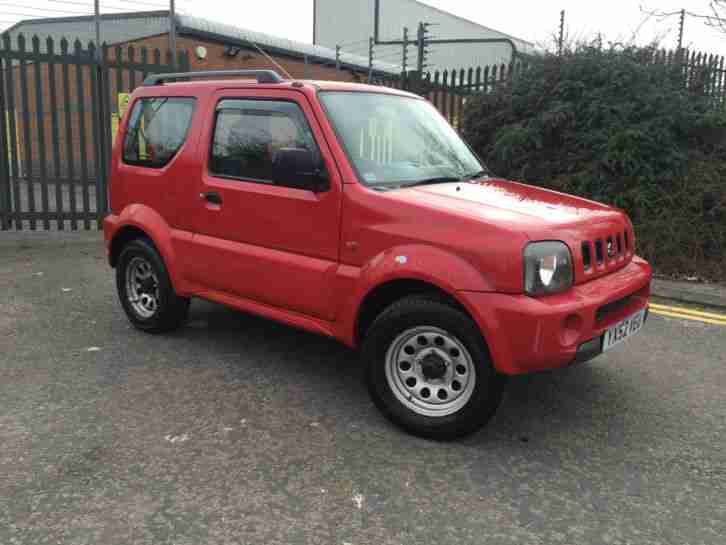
(59, 110)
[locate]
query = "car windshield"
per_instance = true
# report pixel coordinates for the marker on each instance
(396, 141)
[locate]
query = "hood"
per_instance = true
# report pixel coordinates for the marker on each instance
(540, 214)
(532, 209)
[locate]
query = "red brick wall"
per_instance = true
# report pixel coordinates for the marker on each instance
(246, 59)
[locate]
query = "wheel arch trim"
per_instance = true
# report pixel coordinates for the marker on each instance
(450, 275)
(144, 220)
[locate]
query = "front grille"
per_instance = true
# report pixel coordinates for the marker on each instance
(608, 250)
(598, 252)
(586, 255)
(604, 310)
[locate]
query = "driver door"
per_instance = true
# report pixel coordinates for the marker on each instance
(258, 235)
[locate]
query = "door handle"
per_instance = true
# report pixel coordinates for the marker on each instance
(212, 197)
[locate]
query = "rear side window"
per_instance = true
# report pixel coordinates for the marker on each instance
(157, 129)
(248, 134)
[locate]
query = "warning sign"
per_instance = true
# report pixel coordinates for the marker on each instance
(122, 104)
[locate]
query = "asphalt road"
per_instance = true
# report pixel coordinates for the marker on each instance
(237, 430)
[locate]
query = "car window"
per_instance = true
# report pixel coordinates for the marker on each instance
(157, 129)
(397, 140)
(249, 133)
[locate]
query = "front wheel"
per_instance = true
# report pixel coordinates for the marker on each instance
(429, 371)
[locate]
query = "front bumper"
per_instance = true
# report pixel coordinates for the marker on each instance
(527, 334)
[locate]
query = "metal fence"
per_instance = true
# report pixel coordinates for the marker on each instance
(59, 108)
(703, 73)
(448, 90)
(60, 104)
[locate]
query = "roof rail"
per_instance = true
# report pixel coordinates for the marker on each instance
(263, 76)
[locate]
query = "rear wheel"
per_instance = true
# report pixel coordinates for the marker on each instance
(429, 371)
(145, 290)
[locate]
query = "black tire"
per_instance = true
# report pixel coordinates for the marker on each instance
(416, 311)
(171, 311)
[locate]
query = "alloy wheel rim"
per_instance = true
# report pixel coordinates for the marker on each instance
(142, 287)
(430, 371)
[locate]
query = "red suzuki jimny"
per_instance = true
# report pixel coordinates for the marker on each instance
(357, 212)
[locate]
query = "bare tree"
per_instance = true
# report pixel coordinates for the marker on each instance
(717, 19)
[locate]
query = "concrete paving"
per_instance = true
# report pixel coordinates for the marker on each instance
(237, 430)
(695, 293)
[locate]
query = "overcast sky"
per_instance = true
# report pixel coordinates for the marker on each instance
(527, 19)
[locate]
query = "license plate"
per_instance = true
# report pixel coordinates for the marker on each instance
(623, 330)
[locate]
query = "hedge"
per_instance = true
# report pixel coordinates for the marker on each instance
(614, 126)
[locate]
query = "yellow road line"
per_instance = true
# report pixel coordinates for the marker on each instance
(688, 317)
(681, 310)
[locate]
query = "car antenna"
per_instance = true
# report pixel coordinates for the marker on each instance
(273, 61)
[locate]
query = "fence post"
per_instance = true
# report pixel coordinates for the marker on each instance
(55, 140)
(106, 109)
(404, 56)
(100, 98)
(185, 61)
(421, 49)
(40, 133)
(5, 197)
(370, 59)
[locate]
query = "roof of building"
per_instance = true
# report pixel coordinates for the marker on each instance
(125, 27)
(465, 20)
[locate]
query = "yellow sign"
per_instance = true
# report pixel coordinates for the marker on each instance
(122, 101)
(114, 126)
(8, 134)
(18, 141)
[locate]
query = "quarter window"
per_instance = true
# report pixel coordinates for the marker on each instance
(157, 129)
(249, 133)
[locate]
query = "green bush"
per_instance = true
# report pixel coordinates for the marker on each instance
(613, 126)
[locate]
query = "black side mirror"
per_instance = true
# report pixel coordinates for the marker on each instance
(301, 168)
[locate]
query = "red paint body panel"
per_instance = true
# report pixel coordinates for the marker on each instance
(311, 259)
(526, 334)
(264, 231)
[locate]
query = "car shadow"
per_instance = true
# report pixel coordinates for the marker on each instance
(575, 400)
(270, 346)
(585, 403)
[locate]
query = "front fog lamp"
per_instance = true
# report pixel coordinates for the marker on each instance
(547, 268)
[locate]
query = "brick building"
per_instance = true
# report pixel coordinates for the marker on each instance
(212, 45)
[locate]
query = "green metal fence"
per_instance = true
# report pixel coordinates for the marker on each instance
(59, 106)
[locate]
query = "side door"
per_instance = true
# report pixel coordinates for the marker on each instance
(260, 233)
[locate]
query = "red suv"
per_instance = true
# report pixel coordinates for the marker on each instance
(358, 213)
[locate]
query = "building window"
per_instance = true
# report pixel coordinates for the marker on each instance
(249, 133)
(157, 129)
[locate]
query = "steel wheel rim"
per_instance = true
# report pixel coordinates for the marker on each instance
(142, 287)
(414, 362)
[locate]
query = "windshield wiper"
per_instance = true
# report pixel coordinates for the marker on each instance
(480, 174)
(429, 181)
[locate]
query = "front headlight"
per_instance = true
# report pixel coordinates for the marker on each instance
(547, 268)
